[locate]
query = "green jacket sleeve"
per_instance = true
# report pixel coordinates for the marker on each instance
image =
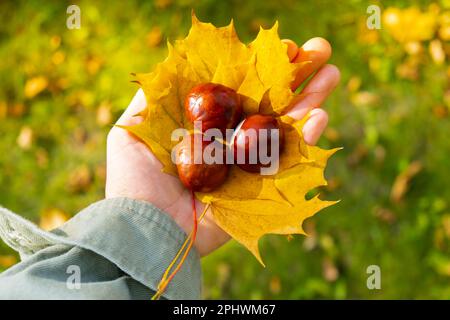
(114, 249)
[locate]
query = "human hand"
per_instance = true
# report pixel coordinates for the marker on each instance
(134, 172)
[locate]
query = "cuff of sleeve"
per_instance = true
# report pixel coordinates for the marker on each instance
(138, 238)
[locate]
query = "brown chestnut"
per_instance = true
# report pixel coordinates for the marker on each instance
(194, 172)
(215, 105)
(250, 137)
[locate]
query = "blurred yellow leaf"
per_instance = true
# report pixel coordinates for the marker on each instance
(409, 69)
(42, 158)
(385, 215)
(401, 183)
(62, 83)
(17, 110)
(438, 239)
(437, 51)
(154, 37)
(25, 138)
(58, 57)
(365, 35)
(444, 29)
(275, 285)
(35, 85)
(247, 206)
(329, 270)
(354, 83)
(311, 241)
(93, 65)
(223, 273)
(7, 261)
(413, 47)
(447, 99)
(55, 42)
(440, 111)
(410, 24)
(446, 224)
(86, 97)
(80, 135)
(364, 99)
(100, 172)
(333, 184)
(79, 179)
(162, 4)
(327, 243)
(332, 134)
(52, 218)
(104, 116)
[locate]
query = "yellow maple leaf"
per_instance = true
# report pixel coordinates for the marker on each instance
(262, 74)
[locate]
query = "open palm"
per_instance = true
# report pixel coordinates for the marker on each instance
(134, 172)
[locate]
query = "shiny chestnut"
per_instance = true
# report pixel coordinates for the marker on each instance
(215, 105)
(193, 171)
(247, 141)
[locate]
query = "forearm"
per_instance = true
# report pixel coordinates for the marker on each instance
(120, 247)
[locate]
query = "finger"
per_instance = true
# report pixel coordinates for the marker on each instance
(137, 104)
(292, 49)
(315, 50)
(212, 233)
(314, 126)
(315, 93)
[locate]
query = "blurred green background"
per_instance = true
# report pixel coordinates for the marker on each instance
(61, 89)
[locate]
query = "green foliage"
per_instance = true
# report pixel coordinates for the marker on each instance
(390, 112)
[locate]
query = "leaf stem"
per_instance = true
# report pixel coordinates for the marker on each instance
(189, 242)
